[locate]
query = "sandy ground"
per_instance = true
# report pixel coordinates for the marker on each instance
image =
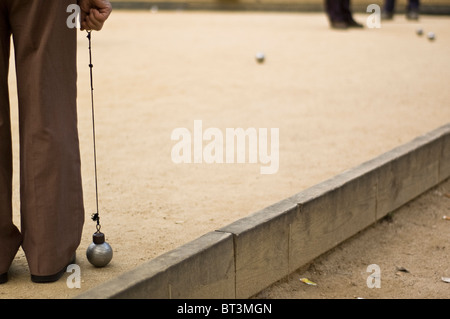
(338, 98)
(410, 247)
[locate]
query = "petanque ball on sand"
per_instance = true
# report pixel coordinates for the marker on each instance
(431, 36)
(419, 31)
(260, 57)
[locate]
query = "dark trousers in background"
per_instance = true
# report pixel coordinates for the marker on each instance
(389, 5)
(338, 10)
(51, 200)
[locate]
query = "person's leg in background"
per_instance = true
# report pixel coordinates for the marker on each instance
(388, 10)
(412, 10)
(414, 4)
(340, 14)
(348, 16)
(10, 237)
(335, 15)
(52, 213)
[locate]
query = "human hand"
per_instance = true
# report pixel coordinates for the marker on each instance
(94, 13)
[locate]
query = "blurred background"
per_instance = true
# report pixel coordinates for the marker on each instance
(427, 7)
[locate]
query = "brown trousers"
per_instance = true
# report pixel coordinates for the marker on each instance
(51, 199)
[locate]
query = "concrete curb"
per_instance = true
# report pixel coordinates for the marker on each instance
(246, 256)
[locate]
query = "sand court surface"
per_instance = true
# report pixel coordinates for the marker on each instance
(338, 98)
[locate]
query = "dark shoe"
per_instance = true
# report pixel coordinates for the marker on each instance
(54, 277)
(341, 25)
(4, 278)
(387, 15)
(412, 15)
(354, 24)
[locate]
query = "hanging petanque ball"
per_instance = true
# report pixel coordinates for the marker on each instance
(99, 252)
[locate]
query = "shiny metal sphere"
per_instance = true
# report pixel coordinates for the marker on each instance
(431, 36)
(419, 31)
(99, 253)
(260, 57)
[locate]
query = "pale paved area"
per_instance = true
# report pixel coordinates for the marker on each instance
(338, 98)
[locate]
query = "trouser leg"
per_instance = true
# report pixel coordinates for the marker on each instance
(389, 6)
(334, 10)
(52, 212)
(10, 237)
(346, 11)
(413, 5)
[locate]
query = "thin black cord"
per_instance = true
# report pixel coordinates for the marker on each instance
(96, 216)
